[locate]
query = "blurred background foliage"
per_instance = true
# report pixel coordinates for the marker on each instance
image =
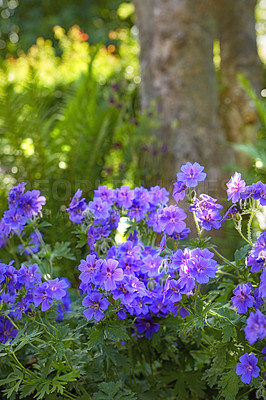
(69, 100)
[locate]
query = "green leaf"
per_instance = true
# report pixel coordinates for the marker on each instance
(228, 332)
(96, 337)
(242, 252)
(61, 249)
(229, 384)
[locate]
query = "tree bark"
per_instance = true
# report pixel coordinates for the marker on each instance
(236, 31)
(176, 39)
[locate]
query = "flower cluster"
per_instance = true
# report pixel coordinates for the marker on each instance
(22, 288)
(21, 206)
(250, 296)
(135, 279)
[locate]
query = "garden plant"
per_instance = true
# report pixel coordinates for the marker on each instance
(156, 313)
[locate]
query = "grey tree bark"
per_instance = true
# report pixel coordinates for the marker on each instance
(176, 39)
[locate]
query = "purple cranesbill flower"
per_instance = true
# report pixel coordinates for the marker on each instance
(92, 236)
(151, 265)
(31, 203)
(179, 191)
(77, 208)
(256, 327)
(142, 195)
(171, 220)
(264, 352)
(41, 295)
(107, 195)
(257, 298)
(138, 210)
(203, 269)
(99, 208)
(174, 291)
(243, 298)
(229, 213)
(124, 197)
(15, 193)
(29, 276)
(146, 325)
(257, 257)
(95, 305)
(22, 306)
(88, 269)
(235, 186)
(259, 192)
(7, 330)
(15, 219)
(262, 287)
(113, 219)
(209, 219)
(56, 288)
(129, 265)
(109, 275)
(158, 196)
(129, 248)
(191, 174)
(5, 230)
(247, 367)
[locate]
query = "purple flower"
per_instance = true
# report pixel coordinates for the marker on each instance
(146, 325)
(191, 174)
(179, 191)
(235, 186)
(158, 196)
(151, 265)
(77, 208)
(15, 193)
(247, 368)
(257, 256)
(171, 220)
(256, 327)
(56, 288)
(203, 269)
(88, 269)
(7, 331)
(31, 203)
(41, 295)
(124, 197)
(5, 230)
(262, 287)
(107, 195)
(110, 274)
(15, 219)
(95, 306)
(243, 298)
(99, 208)
(29, 276)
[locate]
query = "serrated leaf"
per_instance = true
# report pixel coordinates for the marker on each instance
(180, 388)
(228, 332)
(229, 384)
(241, 253)
(61, 249)
(96, 337)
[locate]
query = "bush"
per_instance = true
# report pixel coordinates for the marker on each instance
(154, 313)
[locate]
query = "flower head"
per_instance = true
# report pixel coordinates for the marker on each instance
(247, 367)
(191, 174)
(235, 187)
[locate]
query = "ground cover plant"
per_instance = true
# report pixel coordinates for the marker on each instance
(156, 313)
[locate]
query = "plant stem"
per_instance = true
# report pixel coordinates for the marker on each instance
(197, 224)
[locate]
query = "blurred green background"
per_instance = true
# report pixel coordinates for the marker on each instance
(69, 101)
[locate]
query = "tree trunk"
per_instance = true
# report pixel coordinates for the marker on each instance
(176, 38)
(236, 31)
